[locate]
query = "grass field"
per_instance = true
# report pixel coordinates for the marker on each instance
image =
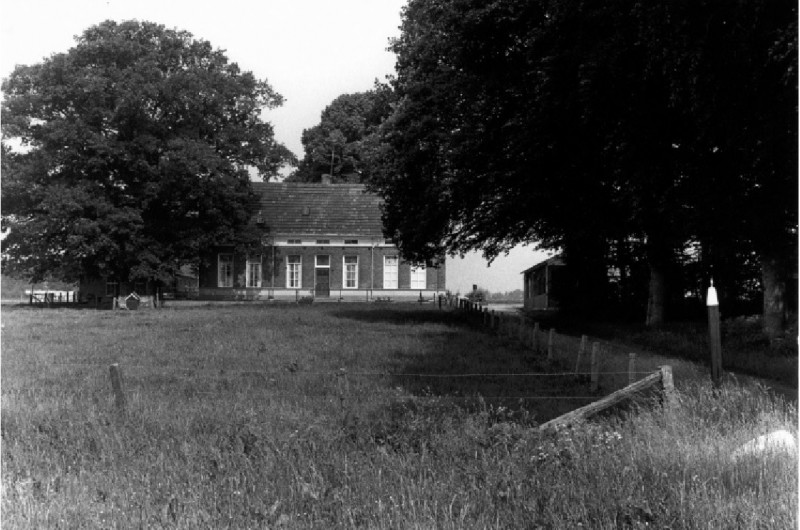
(343, 416)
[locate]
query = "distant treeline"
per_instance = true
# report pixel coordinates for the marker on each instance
(480, 294)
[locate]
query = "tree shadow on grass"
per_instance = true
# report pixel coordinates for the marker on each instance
(473, 369)
(400, 314)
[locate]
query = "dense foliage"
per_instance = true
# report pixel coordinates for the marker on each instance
(133, 150)
(344, 144)
(655, 140)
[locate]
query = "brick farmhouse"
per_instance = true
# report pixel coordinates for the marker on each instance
(321, 241)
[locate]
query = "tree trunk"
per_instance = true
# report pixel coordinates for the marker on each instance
(659, 258)
(774, 285)
(656, 296)
(587, 291)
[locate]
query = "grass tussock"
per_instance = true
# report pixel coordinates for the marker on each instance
(241, 417)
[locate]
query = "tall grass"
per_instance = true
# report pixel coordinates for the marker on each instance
(238, 417)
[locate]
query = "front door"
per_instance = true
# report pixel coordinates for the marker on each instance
(322, 282)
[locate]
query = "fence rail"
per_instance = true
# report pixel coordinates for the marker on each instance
(50, 297)
(662, 377)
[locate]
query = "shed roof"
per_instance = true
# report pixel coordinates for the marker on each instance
(555, 261)
(319, 209)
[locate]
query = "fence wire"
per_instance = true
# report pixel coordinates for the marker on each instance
(232, 371)
(583, 359)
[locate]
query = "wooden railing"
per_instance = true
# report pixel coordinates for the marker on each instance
(662, 377)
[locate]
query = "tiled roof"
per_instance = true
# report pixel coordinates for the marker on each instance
(319, 209)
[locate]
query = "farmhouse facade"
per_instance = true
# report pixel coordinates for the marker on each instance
(320, 241)
(539, 282)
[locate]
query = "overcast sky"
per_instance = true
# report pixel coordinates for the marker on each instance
(310, 51)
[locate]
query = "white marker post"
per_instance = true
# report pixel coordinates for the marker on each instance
(715, 340)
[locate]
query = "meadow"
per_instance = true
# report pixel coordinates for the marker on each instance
(358, 416)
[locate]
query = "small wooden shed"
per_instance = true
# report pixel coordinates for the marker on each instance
(539, 281)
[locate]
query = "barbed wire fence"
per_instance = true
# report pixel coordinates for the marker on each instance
(607, 365)
(586, 371)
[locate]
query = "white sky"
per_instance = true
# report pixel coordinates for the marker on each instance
(310, 51)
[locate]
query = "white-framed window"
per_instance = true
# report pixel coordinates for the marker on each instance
(111, 288)
(225, 270)
(350, 272)
(390, 266)
(253, 271)
(322, 261)
(294, 266)
(418, 278)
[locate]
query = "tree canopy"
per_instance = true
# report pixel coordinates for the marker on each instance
(344, 143)
(632, 136)
(135, 149)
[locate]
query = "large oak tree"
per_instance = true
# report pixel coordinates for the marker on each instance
(129, 154)
(598, 129)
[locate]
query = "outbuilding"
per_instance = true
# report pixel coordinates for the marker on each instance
(539, 282)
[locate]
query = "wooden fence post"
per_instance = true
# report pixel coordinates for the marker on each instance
(595, 381)
(344, 386)
(581, 352)
(116, 386)
(550, 338)
(631, 368)
(668, 385)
